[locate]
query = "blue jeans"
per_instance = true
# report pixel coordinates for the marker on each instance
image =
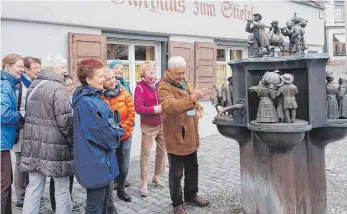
(123, 158)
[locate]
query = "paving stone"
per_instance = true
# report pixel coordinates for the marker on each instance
(219, 181)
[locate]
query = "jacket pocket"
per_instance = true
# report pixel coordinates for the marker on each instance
(183, 132)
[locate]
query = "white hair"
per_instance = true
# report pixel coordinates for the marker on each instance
(107, 71)
(176, 61)
(53, 61)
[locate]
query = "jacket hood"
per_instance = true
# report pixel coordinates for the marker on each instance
(50, 75)
(85, 90)
(7, 76)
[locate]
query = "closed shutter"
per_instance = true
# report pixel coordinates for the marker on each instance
(186, 50)
(205, 67)
(85, 46)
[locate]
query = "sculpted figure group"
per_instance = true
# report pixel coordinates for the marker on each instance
(265, 44)
(277, 98)
(336, 97)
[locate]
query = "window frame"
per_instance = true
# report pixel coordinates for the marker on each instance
(228, 58)
(131, 58)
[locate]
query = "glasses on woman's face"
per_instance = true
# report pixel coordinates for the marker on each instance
(70, 85)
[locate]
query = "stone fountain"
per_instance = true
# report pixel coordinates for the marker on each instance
(280, 119)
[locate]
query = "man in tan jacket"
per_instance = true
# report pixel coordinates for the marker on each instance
(181, 112)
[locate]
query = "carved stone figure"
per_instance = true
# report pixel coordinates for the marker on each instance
(275, 37)
(332, 93)
(289, 31)
(253, 47)
(299, 33)
(343, 97)
(288, 90)
(224, 95)
(259, 34)
(266, 108)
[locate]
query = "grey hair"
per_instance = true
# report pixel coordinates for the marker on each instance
(107, 71)
(176, 61)
(53, 61)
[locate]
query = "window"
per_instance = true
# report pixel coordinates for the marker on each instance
(224, 55)
(339, 44)
(339, 11)
(133, 54)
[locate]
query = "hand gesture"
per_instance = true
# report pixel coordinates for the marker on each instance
(200, 112)
(197, 93)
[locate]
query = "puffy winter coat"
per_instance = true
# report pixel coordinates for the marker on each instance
(95, 136)
(123, 103)
(9, 114)
(47, 140)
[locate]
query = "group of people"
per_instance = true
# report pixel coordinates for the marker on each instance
(61, 132)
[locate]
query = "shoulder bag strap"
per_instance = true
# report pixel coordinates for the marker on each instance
(19, 101)
(36, 87)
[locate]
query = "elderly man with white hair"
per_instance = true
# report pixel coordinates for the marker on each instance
(47, 139)
(181, 112)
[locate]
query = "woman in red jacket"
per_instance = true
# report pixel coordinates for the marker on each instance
(147, 105)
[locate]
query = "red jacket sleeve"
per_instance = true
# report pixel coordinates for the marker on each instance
(140, 107)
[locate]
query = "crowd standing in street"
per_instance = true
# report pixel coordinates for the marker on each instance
(62, 132)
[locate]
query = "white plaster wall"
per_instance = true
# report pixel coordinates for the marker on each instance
(37, 40)
(109, 15)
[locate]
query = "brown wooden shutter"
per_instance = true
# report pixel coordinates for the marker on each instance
(186, 50)
(83, 46)
(205, 67)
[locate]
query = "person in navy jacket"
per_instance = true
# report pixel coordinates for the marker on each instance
(96, 135)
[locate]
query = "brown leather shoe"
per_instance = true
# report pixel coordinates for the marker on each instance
(198, 201)
(179, 210)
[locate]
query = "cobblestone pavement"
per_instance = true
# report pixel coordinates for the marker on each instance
(219, 181)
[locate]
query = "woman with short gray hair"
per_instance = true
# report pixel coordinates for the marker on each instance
(47, 139)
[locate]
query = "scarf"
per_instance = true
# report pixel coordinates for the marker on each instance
(184, 84)
(25, 79)
(115, 92)
(154, 84)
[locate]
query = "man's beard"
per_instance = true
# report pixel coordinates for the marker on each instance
(118, 78)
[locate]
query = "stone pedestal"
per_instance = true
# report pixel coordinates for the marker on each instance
(282, 164)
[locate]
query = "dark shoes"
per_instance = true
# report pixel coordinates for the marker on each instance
(124, 196)
(126, 184)
(198, 201)
(19, 205)
(179, 210)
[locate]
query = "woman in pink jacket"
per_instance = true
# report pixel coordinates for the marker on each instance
(147, 105)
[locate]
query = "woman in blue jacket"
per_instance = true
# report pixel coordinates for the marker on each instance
(12, 66)
(96, 135)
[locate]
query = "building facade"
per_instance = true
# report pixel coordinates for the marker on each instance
(335, 31)
(207, 34)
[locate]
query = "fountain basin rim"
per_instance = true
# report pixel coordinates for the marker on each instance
(298, 126)
(336, 123)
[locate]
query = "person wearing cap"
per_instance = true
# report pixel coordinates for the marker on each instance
(258, 30)
(117, 68)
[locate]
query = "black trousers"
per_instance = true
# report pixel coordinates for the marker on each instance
(97, 200)
(177, 165)
(52, 191)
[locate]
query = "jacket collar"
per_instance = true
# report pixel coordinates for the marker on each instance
(12, 79)
(25, 79)
(50, 75)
